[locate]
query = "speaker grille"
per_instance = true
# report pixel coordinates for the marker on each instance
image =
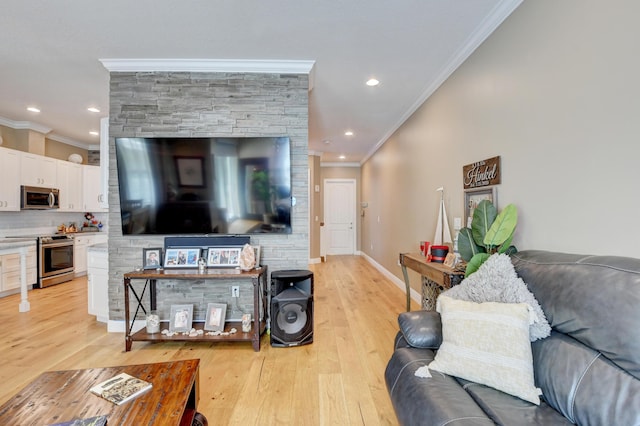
(292, 318)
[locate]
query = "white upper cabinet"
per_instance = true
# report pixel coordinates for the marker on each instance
(92, 181)
(104, 162)
(9, 180)
(69, 177)
(37, 170)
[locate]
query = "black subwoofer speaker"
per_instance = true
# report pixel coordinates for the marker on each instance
(291, 308)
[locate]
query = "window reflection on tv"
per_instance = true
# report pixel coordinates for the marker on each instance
(204, 185)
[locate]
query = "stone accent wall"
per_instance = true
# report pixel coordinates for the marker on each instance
(187, 104)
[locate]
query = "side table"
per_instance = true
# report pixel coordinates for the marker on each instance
(436, 277)
(57, 396)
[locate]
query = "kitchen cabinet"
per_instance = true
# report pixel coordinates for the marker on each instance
(104, 161)
(10, 178)
(69, 177)
(37, 170)
(10, 270)
(98, 282)
(92, 184)
(81, 243)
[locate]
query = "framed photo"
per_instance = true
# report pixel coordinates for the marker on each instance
(151, 258)
(216, 313)
(181, 318)
(223, 257)
(472, 198)
(256, 252)
(182, 257)
(190, 171)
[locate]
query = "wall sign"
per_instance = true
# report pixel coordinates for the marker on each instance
(481, 173)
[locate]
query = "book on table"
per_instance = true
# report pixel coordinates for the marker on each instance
(121, 388)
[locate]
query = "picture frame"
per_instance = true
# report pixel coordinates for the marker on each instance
(182, 257)
(152, 258)
(216, 314)
(450, 260)
(181, 319)
(223, 257)
(190, 171)
(256, 253)
(472, 198)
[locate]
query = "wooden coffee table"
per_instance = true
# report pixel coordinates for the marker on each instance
(58, 396)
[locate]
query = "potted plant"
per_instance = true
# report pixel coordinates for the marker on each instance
(490, 233)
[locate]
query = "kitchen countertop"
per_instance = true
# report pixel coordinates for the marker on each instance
(7, 243)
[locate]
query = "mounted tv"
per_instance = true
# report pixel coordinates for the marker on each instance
(204, 185)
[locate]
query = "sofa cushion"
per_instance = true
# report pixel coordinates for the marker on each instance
(436, 401)
(584, 385)
(505, 409)
(593, 299)
(496, 281)
(487, 343)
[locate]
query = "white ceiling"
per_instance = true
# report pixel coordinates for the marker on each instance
(50, 56)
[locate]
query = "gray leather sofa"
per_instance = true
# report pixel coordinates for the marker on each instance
(588, 369)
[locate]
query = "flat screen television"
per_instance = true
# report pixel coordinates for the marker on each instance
(182, 185)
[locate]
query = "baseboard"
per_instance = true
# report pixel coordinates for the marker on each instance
(416, 296)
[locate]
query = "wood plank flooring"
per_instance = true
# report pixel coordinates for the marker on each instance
(338, 379)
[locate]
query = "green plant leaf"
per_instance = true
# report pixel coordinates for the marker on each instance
(502, 228)
(475, 263)
(483, 217)
(467, 247)
(505, 246)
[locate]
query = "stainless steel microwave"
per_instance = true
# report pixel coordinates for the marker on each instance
(36, 198)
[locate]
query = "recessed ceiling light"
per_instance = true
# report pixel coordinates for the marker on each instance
(372, 82)
(326, 141)
(348, 133)
(94, 133)
(33, 109)
(93, 109)
(342, 157)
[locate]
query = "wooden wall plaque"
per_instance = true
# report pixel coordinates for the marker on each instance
(481, 173)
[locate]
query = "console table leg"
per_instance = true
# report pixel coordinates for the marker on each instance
(127, 327)
(408, 285)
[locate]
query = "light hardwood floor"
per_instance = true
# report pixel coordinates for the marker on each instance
(338, 379)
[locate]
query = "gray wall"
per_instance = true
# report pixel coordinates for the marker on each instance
(206, 105)
(554, 91)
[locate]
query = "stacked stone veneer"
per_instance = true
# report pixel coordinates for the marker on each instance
(165, 104)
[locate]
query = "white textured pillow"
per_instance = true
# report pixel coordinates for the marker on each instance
(497, 281)
(487, 343)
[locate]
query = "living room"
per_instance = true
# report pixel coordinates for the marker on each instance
(552, 91)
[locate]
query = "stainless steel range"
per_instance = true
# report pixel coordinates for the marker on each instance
(55, 259)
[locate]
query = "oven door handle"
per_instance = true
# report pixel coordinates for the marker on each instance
(61, 244)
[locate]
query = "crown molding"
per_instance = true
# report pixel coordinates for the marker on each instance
(260, 66)
(208, 65)
(22, 125)
(493, 20)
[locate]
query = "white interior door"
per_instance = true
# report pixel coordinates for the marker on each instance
(339, 216)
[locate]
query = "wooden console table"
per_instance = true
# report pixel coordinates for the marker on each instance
(435, 278)
(59, 396)
(258, 278)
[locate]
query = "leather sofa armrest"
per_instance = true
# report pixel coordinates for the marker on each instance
(421, 329)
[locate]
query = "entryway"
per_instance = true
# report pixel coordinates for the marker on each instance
(339, 232)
